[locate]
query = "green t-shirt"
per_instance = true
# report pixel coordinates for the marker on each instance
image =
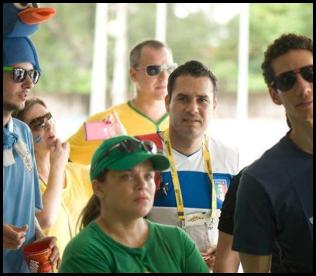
(168, 249)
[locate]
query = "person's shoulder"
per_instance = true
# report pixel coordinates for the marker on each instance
(74, 166)
(78, 173)
(103, 114)
(270, 170)
(86, 251)
(22, 129)
(224, 157)
(18, 124)
(168, 231)
(270, 159)
(85, 238)
(219, 145)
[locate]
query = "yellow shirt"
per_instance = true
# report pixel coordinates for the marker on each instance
(135, 123)
(76, 194)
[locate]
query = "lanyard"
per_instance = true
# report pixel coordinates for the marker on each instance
(175, 177)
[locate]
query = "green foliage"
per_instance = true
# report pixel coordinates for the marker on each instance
(65, 43)
(141, 23)
(267, 22)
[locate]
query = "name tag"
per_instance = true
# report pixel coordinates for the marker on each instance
(202, 229)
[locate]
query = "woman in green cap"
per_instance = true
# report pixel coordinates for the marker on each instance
(115, 236)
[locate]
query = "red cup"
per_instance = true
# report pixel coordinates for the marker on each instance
(37, 256)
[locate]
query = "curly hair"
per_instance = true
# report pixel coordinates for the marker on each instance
(281, 46)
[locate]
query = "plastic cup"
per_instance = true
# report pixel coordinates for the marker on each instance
(37, 256)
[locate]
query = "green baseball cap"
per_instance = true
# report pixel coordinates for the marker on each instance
(123, 153)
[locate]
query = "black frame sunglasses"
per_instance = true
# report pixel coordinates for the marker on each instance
(19, 74)
(39, 123)
(130, 146)
(287, 80)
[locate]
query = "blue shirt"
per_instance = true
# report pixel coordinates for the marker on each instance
(21, 197)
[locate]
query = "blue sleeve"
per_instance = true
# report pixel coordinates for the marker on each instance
(254, 229)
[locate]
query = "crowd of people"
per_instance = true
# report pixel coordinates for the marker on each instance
(166, 196)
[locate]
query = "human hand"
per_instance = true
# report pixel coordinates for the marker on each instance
(14, 237)
(54, 257)
(59, 154)
(209, 257)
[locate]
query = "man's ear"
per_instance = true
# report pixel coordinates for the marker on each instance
(98, 188)
(132, 74)
(167, 102)
(275, 96)
(214, 103)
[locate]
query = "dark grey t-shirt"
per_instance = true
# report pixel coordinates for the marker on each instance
(275, 205)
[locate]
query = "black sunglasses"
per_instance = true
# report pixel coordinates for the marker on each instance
(286, 80)
(154, 70)
(39, 123)
(19, 74)
(130, 146)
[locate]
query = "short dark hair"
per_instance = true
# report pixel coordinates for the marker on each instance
(281, 46)
(193, 68)
(135, 53)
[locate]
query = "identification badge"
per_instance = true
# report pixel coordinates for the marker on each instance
(202, 229)
(105, 129)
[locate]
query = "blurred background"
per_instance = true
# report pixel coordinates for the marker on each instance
(84, 54)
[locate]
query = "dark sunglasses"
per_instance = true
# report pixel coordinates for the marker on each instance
(19, 74)
(40, 123)
(286, 80)
(154, 70)
(130, 146)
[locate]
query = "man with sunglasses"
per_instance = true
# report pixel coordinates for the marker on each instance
(151, 63)
(275, 195)
(21, 194)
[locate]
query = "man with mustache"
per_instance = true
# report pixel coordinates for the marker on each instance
(275, 195)
(191, 192)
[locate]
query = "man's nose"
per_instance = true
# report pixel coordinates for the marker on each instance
(28, 83)
(303, 86)
(163, 74)
(192, 106)
(140, 181)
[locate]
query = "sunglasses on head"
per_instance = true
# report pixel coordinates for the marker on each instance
(130, 146)
(20, 74)
(154, 70)
(286, 80)
(40, 123)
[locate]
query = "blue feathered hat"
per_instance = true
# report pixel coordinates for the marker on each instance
(19, 21)
(22, 19)
(19, 50)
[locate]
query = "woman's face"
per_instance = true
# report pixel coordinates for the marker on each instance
(42, 126)
(129, 193)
